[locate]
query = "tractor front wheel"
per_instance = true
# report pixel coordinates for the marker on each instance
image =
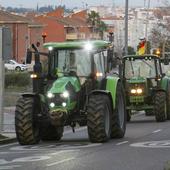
(160, 106)
(99, 118)
(27, 129)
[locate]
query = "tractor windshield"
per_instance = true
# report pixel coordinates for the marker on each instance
(140, 68)
(77, 61)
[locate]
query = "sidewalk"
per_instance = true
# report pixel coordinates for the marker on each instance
(8, 125)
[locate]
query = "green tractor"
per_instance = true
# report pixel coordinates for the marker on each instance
(147, 88)
(75, 87)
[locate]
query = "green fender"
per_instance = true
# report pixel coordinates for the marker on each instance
(111, 86)
(165, 82)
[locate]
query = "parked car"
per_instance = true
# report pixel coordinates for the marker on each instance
(13, 65)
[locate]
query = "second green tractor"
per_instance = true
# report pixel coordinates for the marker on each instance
(147, 87)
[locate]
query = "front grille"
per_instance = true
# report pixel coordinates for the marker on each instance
(136, 99)
(57, 99)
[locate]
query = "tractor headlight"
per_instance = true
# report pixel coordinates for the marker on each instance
(139, 91)
(50, 48)
(50, 95)
(64, 104)
(52, 105)
(88, 46)
(65, 94)
(133, 91)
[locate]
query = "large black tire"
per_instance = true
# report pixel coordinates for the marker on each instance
(18, 68)
(168, 102)
(160, 106)
(119, 115)
(99, 118)
(49, 132)
(27, 130)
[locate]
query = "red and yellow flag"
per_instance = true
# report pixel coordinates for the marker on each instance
(142, 48)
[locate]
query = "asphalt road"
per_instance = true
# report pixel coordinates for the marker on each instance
(146, 146)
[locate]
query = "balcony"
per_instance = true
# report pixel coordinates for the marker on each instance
(75, 36)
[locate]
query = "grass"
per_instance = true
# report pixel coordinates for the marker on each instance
(12, 94)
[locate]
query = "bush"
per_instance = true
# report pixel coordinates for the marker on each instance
(17, 79)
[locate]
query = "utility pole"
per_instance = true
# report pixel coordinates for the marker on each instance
(1, 81)
(147, 21)
(126, 26)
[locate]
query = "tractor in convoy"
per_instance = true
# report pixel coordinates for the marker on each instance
(74, 87)
(146, 86)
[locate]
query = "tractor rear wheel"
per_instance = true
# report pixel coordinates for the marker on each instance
(119, 114)
(160, 106)
(27, 129)
(49, 132)
(99, 118)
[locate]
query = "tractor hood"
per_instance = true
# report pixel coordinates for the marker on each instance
(63, 83)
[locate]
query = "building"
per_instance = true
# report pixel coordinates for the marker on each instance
(24, 32)
(59, 28)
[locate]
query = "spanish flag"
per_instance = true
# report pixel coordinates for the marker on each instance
(142, 48)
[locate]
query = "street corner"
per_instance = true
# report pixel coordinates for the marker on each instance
(6, 140)
(167, 165)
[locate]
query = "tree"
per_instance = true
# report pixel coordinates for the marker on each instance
(98, 26)
(94, 20)
(160, 34)
(131, 50)
(102, 28)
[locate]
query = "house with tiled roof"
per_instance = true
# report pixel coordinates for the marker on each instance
(24, 32)
(61, 28)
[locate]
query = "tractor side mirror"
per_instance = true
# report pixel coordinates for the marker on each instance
(29, 56)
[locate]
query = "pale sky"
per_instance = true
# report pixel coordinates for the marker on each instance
(76, 3)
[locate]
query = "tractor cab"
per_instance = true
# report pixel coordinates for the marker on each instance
(145, 68)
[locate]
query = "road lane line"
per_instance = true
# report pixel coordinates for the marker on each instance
(156, 131)
(121, 143)
(8, 145)
(9, 167)
(59, 162)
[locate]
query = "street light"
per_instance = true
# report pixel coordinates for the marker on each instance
(44, 35)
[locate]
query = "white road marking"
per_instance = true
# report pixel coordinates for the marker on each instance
(31, 159)
(9, 167)
(60, 152)
(44, 148)
(59, 162)
(8, 145)
(121, 143)
(156, 131)
(152, 144)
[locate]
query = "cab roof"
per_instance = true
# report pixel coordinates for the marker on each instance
(141, 56)
(97, 44)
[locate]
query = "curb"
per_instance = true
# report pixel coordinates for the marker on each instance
(8, 140)
(167, 166)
